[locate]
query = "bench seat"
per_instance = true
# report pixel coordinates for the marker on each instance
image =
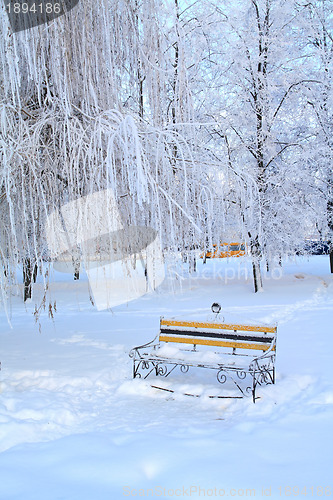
(164, 352)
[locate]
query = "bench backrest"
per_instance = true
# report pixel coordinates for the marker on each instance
(234, 336)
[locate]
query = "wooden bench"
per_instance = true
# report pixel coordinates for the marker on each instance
(243, 354)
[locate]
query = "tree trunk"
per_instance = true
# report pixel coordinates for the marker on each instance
(257, 280)
(330, 222)
(174, 89)
(34, 273)
(29, 277)
(256, 256)
(192, 264)
(77, 270)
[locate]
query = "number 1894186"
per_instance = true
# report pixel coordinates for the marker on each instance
(34, 8)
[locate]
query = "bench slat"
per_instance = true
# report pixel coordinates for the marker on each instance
(221, 343)
(229, 336)
(220, 326)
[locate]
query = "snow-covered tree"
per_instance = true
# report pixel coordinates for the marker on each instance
(199, 116)
(257, 58)
(92, 101)
(318, 27)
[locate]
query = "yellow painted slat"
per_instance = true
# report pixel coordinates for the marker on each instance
(219, 326)
(220, 343)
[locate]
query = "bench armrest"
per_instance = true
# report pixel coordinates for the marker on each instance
(266, 360)
(136, 351)
(268, 353)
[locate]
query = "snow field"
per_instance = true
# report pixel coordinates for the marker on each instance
(74, 425)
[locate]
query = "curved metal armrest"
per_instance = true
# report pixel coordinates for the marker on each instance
(136, 350)
(269, 353)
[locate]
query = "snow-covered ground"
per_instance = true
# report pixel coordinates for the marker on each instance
(75, 426)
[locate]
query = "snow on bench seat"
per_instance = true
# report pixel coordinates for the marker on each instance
(241, 353)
